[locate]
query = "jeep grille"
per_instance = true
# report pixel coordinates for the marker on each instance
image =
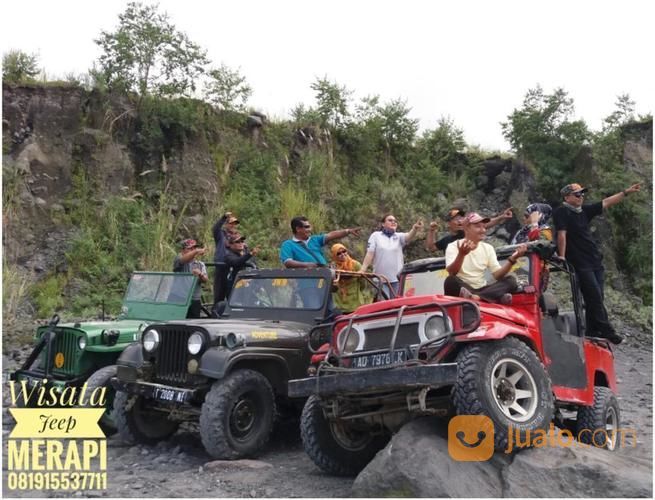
(65, 343)
(172, 354)
(380, 338)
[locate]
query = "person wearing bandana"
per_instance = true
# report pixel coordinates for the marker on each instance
(385, 249)
(576, 244)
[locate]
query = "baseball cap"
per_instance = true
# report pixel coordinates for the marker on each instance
(454, 212)
(474, 218)
(235, 238)
(232, 219)
(189, 243)
(572, 188)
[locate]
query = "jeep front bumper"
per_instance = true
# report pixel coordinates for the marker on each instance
(400, 378)
(158, 392)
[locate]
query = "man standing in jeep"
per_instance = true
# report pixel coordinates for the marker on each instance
(576, 244)
(186, 262)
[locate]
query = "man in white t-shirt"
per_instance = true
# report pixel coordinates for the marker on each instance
(385, 249)
(468, 259)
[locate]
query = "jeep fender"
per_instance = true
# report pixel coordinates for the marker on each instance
(217, 363)
(132, 356)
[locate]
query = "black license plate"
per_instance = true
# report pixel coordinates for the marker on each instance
(169, 395)
(380, 359)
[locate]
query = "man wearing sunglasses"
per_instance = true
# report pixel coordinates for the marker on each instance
(306, 250)
(576, 244)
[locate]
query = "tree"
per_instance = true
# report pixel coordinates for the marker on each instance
(624, 113)
(543, 133)
(227, 89)
(19, 67)
(444, 146)
(148, 55)
(332, 100)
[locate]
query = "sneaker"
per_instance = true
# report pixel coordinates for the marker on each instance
(506, 299)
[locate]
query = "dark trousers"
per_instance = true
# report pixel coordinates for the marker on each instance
(194, 309)
(592, 283)
(220, 282)
(490, 293)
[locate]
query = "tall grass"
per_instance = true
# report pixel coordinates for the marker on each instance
(15, 287)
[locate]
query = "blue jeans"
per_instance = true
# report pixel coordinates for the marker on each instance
(392, 286)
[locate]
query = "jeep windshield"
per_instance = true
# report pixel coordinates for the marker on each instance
(279, 293)
(427, 276)
(158, 296)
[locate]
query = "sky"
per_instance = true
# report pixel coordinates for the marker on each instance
(468, 60)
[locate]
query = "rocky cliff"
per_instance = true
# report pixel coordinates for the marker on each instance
(64, 147)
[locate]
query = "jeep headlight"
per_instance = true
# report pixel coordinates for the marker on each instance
(81, 342)
(150, 340)
(349, 340)
(435, 327)
(195, 343)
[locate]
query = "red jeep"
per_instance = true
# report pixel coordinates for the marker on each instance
(524, 365)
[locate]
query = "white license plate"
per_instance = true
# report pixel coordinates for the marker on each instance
(381, 359)
(170, 395)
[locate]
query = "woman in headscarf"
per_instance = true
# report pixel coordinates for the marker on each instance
(351, 291)
(535, 220)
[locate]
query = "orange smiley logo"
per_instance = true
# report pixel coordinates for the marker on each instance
(470, 438)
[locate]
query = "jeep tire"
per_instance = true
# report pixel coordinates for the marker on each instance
(136, 424)
(236, 418)
(506, 381)
(334, 446)
(598, 425)
(98, 379)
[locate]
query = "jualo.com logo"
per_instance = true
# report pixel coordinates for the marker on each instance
(471, 438)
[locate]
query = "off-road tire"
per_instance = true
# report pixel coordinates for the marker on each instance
(325, 444)
(136, 425)
(474, 394)
(603, 415)
(236, 418)
(101, 378)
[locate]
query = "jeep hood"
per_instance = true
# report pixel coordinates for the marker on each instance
(129, 332)
(256, 331)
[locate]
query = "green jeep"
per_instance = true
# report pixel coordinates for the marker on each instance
(70, 354)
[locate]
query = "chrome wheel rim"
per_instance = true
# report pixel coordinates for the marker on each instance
(514, 389)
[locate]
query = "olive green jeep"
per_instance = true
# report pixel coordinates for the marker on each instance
(70, 354)
(228, 374)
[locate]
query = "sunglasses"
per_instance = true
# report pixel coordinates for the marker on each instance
(342, 252)
(579, 195)
(307, 226)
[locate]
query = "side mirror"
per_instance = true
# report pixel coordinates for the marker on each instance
(219, 309)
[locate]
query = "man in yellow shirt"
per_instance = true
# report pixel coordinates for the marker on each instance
(468, 259)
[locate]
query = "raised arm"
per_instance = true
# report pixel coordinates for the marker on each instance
(500, 218)
(430, 240)
(418, 225)
(342, 233)
(619, 197)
